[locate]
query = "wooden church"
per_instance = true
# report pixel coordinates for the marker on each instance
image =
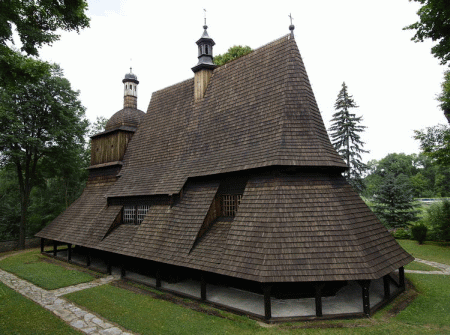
(230, 179)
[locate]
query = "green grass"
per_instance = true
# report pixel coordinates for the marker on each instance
(432, 306)
(432, 251)
(146, 315)
(420, 267)
(18, 315)
(32, 266)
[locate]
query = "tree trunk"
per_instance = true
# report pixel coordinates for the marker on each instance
(23, 219)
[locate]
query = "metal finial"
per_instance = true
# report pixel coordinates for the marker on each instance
(291, 27)
(204, 16)
(131, 69)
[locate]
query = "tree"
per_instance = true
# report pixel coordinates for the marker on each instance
(233, 53)
(444, 97)
(345, 137)
(434, 23)
(435, 142)
(35, 23)
(41, 123)
(393, 203)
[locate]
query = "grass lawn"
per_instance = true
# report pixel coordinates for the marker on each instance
(147, 315)
(33, 266)
(432, 251)
(420, 267)
(18, 315)
(432, 306)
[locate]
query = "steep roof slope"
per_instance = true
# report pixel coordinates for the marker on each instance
(257, 111)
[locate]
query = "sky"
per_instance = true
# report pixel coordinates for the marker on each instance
(393, 80)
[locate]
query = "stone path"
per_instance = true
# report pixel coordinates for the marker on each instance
(77, 317)
(444, 268)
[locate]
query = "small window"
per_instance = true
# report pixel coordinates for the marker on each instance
(129, 214)
(206, 50)
(230, 204)
(141, 213)
(134, 214)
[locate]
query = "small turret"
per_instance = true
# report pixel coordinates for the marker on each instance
(130, 90)
(205, 66)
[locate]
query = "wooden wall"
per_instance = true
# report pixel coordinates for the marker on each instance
(110, 147)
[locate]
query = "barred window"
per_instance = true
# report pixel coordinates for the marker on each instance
(129, 213)
(230, 204)
(134, 214)
(141, 212)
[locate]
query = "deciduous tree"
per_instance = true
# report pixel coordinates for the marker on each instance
(233, 53)
(41, 122)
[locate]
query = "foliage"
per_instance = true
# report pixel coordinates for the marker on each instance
(434, 23)
(98, 126)
(435, 142)
(35, 23)
(32, 266)
(233, 53)
(402, 234)
(444, 96)
(419, 232)
(438, 217)
(344, 131)
(394, 204)
(427, 178)
(9, 205)
(432, 251)
(43, 130)
(20, 315)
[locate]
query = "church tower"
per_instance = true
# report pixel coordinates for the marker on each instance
(109, 146)
(205, 66)
(130, 90)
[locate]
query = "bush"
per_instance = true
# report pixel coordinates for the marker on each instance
(402, 234)
(439, 220)
(419, 232)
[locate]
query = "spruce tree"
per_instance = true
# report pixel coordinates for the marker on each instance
(394, 203)
(344, 131)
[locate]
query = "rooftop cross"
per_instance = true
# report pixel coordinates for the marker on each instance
(291, 27)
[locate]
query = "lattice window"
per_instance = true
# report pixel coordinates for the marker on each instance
(230, 204)
(129, 214)
(141, 212)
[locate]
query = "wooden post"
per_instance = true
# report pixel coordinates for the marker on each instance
(387, 287)
(158, 277)
(267, 302)
(203, 287)
(108, 264)
(401, 277)
(365, 285)
(42, 244)
(88, 258)
(319, 288)
(69, 252)
(55, 248)
(123, 271)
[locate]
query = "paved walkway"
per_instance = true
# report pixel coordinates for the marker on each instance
(77, 317)
(444, 268)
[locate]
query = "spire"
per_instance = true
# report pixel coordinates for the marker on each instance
(291, 27)
(130, 90)
(205, 51)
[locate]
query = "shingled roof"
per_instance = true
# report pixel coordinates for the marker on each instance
(298, 221)
(257, 111)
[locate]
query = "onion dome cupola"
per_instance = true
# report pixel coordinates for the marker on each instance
(130, 90)
(205, 52)
(108, 147)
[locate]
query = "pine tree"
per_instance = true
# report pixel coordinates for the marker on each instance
(394, 203)
(344, 131)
